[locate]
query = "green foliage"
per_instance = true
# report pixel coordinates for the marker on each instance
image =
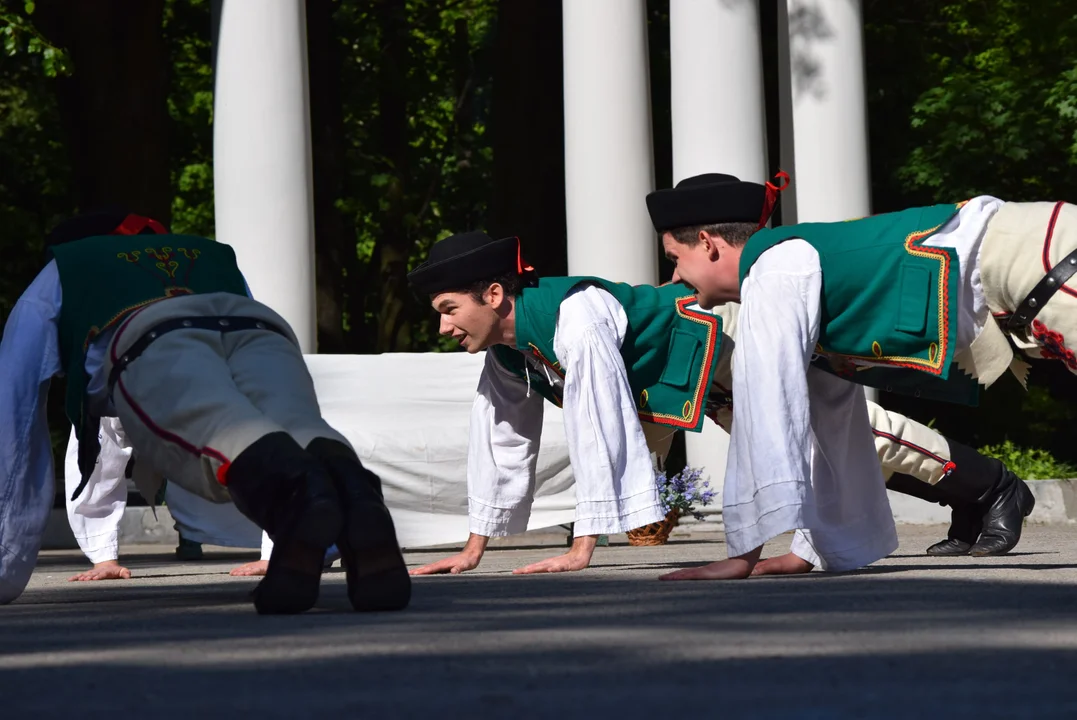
(34, 176)
(998, 115)
(972, 97)
(1030, 463)
(19, 35)
(441, 181)
(190, 105)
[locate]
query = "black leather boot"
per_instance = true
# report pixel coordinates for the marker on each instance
(287, 493)
(964, 517)
(1005, 499)
(377, 575)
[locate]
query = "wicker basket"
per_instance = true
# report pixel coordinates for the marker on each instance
(656, 533)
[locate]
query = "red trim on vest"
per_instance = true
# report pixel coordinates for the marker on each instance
(699, 400)
(222, 473)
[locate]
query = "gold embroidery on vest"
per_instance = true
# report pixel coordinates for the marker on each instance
(936, 354)
(876, 349)
(713, 341)
(643, 398)
(165, 262)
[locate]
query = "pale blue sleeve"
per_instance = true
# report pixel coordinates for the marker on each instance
(29, 357)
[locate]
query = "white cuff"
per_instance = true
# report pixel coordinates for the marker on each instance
(490, 521)
(603, 518)
(103, 553)
(803, 549)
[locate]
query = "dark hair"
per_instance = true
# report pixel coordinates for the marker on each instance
(736, 234)
(512, 282)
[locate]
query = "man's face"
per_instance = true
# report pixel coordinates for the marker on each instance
(472, 323)
(709, 267)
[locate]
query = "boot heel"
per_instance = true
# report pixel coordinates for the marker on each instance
(378, 578)
(293, 578)
(1028, 500)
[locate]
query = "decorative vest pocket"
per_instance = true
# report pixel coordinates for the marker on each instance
(684, 350)
(913, 299)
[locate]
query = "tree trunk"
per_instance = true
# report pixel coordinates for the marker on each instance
(528, 132)
(114, 106)
(334, 236)
(392, 250)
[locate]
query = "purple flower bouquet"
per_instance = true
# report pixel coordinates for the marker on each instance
(684, 491)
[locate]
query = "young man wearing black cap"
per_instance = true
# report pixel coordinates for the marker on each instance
(611, 354)
(906, 296)
(488, 299)
(916, 461)
(212, 391)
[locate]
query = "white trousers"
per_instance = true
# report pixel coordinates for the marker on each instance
(196, 399)
(1022, 243)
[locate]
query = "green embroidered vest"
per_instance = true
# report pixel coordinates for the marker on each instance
(887, 299)
(669, 351)
(104, 279)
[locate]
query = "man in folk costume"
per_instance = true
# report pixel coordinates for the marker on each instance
(212, 391)
(914, 459)
(893, 301)
(609, 353)
(599, 329)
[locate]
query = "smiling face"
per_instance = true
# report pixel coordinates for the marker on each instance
(709, 267)
(475, 325)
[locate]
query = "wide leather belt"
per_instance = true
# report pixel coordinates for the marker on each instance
(1026, 312)
(222, 324)
(90, 449)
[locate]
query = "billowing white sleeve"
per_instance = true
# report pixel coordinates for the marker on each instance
(767, 482)
(267, 546)
(95, 515)
(29, 357)
(615, 479)
(503, 447)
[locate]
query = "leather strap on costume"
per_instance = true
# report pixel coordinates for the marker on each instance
(218, 323)
(771, 199)
(1055, 278)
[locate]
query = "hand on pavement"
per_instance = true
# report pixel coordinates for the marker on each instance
(251, 569)
(461, 562)
(568, 562)
(108, 570)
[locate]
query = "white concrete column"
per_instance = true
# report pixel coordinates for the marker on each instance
(262, 175)
(716, 80)
(609, 163)
(716, 83)
(824, 113)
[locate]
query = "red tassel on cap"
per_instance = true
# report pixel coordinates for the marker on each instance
(520, 267)
(134, 224)
(772, 197)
